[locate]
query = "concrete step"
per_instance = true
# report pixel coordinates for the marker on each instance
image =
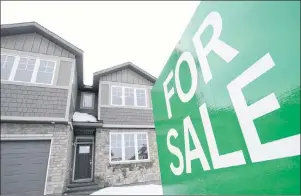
(81, 188)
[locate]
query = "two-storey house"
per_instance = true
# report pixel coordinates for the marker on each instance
(59, 135)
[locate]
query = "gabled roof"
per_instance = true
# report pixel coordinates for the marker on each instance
(34, 27)
(97, 75)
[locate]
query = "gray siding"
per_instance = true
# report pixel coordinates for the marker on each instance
(31, 101)
(35, 43)
(126, 116)
(84, 110)
(126, 76)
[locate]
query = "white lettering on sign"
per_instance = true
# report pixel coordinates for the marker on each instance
(168, 94)
(281, 148)
(223, 50)
(198, 152)
(185, 97)
(176, 151)
(218, 161)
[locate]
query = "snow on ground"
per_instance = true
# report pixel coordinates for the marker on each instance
(83, 117)
(150, 189)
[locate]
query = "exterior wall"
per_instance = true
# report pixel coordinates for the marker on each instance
(126, 76)
(106, 174)
(33, 42)
(130, 115)
(60, 150)
(30, 101)
(126, 116)
(21, 99)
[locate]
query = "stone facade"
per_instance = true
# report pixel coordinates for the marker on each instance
(61, 148)
(107, 174)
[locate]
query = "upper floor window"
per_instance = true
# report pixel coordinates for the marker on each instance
(7, 63)
(128, 96)
(27, 69)
(87, 100)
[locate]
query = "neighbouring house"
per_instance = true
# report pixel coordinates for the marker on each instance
(59, 135)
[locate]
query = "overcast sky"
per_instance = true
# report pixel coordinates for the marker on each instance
(110, 33)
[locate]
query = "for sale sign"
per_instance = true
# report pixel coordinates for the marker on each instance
(227, 103)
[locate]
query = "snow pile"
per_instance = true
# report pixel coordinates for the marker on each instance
(150, 189)
(83, 117)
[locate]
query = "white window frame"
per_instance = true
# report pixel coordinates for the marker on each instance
(123, 96)
(14, 64)
(135, 95)
(83, 94)
(35, 70)
(123, 148)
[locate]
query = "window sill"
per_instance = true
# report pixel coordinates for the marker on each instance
(129, 162)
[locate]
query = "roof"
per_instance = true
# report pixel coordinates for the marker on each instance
(34, 27)
(97, 75)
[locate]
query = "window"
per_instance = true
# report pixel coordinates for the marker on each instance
(45, 72)
(7, 63)
(128, 96)
(141, 98)
(87, 100)
(128, 147)
(116, 95)
(26, 69)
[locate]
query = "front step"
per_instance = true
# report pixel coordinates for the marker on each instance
(81, 188)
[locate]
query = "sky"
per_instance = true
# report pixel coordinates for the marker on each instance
(110, 33)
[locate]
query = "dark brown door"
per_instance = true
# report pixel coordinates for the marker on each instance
(83, 162)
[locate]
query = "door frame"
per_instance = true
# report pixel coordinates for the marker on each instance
(74, 158)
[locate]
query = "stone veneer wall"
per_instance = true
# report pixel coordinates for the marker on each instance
(61, 148)
(106, 174)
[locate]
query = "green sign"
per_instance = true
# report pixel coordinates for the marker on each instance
(227, 104)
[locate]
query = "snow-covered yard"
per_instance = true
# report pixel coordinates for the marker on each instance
(150, 189)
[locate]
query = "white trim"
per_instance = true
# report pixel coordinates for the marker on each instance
(128, 126)
(123, 147)
(38, 119)
(123, 96)
(126, 84)
(15, 65)
(144, 106)
(33, 78)
(48, 163)
(32, 84)
(26, 136)
(125, 107)
(37, 71)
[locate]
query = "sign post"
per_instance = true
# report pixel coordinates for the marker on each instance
(227, 103)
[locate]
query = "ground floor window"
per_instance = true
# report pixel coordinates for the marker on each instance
(129, 146)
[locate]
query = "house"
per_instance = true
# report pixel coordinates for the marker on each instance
(59, 135)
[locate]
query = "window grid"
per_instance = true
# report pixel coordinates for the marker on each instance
(87, 100)
(126, 142)
(123, 94)
(26, 69)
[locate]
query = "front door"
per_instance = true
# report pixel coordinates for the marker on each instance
(83, 162)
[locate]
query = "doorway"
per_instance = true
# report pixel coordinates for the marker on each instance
(83, 159)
